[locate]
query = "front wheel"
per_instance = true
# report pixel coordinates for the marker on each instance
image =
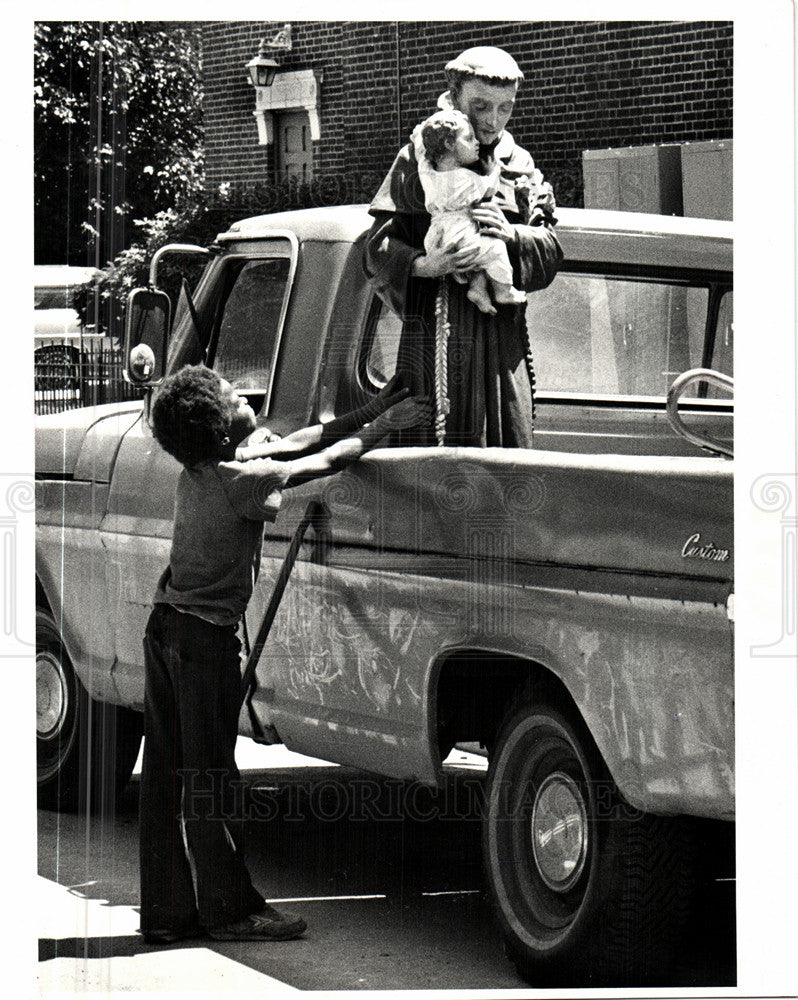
(588, 891)
(85, 749)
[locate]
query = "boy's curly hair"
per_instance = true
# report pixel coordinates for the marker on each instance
(439, 130)
(189, 417)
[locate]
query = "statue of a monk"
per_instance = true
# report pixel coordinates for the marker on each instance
(489, 374)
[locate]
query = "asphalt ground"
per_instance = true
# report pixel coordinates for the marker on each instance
(387, 874)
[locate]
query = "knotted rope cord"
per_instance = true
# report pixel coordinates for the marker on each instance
(530, 367)
(442, 332)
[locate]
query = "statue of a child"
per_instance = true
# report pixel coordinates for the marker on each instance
(445, 146)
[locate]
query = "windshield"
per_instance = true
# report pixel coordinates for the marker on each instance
(238, 316)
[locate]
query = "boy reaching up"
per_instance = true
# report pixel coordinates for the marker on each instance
(192, 661)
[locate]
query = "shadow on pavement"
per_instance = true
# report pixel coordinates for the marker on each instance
(388, 875)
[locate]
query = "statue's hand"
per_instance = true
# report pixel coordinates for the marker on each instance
(492, 222)
(444, 260)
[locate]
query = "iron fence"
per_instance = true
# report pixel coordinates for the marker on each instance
(73, 374)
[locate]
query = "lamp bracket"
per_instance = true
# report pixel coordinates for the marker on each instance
(280, 42)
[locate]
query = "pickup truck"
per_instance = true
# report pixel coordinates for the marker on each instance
(568, 607)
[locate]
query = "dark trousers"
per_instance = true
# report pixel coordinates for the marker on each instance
(190, 782)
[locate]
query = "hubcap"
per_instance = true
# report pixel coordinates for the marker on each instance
(51, 695)
(559, 833)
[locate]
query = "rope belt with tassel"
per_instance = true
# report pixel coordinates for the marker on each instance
(442, 332)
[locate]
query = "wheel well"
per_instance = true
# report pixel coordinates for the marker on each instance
(475, 689)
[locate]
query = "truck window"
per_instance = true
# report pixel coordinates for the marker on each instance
(383, 330)
(601, 335)
(593, 334)
(249, 324)
(723, 347)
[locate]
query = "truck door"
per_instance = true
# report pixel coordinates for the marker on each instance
(247, 297)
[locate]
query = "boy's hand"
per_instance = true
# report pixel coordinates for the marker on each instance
(256, 445)
(392, 392)
(411, 412)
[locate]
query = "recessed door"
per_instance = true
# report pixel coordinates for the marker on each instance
(294, 146)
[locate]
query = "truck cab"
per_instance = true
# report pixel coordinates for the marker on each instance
(565, 607)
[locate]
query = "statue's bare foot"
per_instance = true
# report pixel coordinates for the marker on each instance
(506, 295)
(481, 301)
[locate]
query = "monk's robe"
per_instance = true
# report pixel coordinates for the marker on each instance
(490, 369)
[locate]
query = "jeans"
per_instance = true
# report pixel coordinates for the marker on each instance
(191, 808)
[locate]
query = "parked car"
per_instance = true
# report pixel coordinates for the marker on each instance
(568, 607)
(54, 316)
(75, 364)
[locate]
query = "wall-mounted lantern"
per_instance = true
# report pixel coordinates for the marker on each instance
(262, 69)
(294, 90)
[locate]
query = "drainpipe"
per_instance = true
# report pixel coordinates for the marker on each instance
(399, 137)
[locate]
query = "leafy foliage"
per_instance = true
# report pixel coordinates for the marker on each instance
(125, 97)
(192, 223)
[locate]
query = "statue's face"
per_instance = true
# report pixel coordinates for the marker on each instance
(488, 107)
(465, 146)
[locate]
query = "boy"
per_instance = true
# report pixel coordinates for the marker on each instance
(192, 663)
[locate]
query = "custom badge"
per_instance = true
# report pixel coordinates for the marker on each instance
(694, 548)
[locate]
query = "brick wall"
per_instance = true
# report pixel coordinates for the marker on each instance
(588, 85)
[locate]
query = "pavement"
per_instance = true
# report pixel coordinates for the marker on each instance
(115, 960)
(65, 912)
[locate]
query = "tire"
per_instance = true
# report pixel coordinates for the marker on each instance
(588, 892)
(85, 749)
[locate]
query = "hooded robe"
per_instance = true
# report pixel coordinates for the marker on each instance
(490, 374)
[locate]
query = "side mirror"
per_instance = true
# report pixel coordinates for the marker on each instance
(146, 335)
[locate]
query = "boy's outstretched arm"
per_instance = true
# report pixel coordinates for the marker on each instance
(393, 392)
(308, 439)
(401, 415)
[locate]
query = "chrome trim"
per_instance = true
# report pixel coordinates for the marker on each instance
(51, 695)
(619, 401)
(559, 832)
(172, 248)
(672, 406)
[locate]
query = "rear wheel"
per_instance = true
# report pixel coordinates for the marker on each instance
(588, 892)
(85, 749)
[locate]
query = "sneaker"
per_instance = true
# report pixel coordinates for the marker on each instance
(268, 925)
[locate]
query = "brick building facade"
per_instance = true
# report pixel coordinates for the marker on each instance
(589, 85)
